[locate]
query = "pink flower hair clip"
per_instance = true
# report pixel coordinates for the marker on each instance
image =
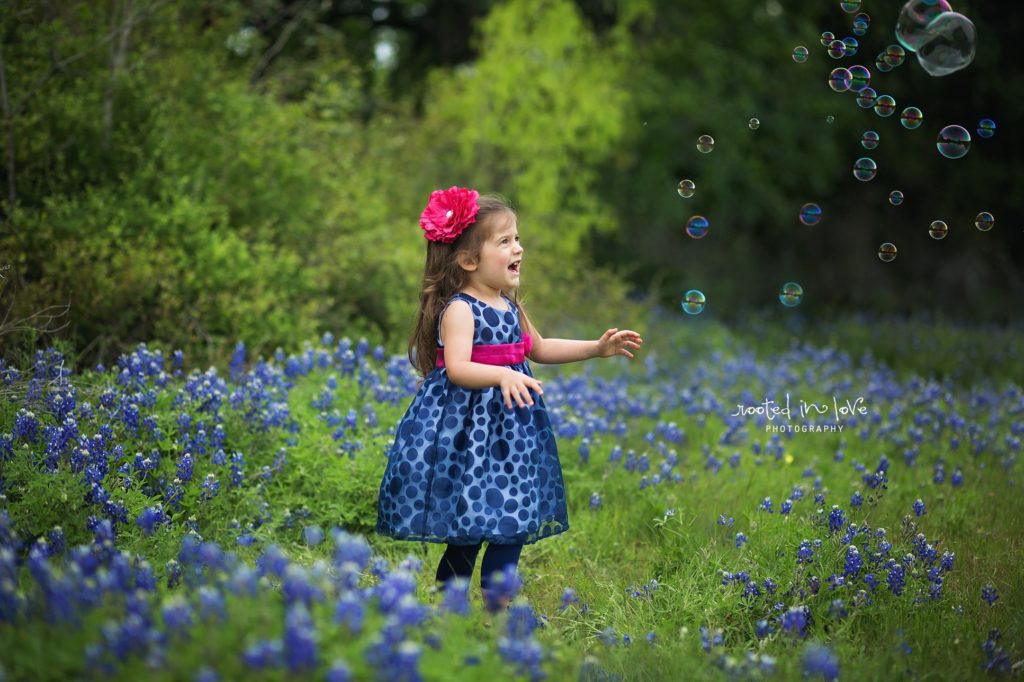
(448, 213)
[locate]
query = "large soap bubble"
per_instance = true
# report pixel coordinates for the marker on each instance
(914, 18)
(948, 44)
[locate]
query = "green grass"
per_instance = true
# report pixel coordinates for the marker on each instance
(626, 542)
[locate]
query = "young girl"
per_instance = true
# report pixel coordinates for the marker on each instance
(474, 457)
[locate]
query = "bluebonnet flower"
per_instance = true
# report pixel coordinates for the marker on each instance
(264, 654)
(918, 507)
(211, 603)
(210, 487)
(185, 468)
(794, 620)
(787, 506)
(819, 660)
(996, 658)
(595, 500)
(857, 499)
(502, 587)
(741, 540)
(819, 499)
(837, 608)
(804, 554)
(521, 621)
(300, 639)
(177, 615)
(338, 672)
(762, 629)
(958, 478)
(871, 581)
(836, 519)
(723, 520)
(766, 505)
(854, 563)
(989, 594)
(711, 639)
(769, 585)
(608, 636)
(947, 561)
(896, 578)
(313, 535)
(349, 611)
(151, 517)
(651, 636)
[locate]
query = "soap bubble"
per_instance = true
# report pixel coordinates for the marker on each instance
(686, 188)
(885, 105)
(914, 19)
(938, 229)
(895, 197)
(881, 64)
(860, 27)
(836, 49)
(948, 44)
(894, 55)
(984, 221)
(865, 169)
(697, 226)
(860, 77)
(986, 128)
(810, 214)
(754, 124)
(693, 302)
(839, 80)
(887, 252)
(800, 54)
(830, 118)
(911, 118)
(953, 142)
(791, 294)
(850, 6)
(869, 140)
(850, 44)
(705, 143)
(827, 37)
(866, 98)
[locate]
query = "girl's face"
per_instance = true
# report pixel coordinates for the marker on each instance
(500, 256)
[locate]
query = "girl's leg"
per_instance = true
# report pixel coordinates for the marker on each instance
(497, 558)
(458, 560)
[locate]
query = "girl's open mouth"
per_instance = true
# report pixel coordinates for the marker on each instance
(514, 267)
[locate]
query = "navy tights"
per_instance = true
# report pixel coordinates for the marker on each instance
(459, 560)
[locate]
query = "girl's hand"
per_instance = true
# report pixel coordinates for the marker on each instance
(615, 342)
(517, 385)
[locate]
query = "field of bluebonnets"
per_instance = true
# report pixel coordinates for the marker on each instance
(166, 521)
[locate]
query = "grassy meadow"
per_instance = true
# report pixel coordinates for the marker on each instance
(700, 547)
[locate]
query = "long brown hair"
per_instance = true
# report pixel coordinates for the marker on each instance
(443, 276)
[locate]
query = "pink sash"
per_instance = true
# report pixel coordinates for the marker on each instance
(496, 353)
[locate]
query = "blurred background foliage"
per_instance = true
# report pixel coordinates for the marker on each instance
(201, 172)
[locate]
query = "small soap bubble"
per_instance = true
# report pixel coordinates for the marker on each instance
(953, 142)
(984, 221)
(810, 214)
(839, 80)
(911, 118)
(686, 188)
(914, 18)
(693, 302)
(836, 49)
(860, 77)
(866, 98)
(887, 252)
(986, 128)
(885, 105)
(705, 143)
(791, 294)
(800, 54)
(894, 55)
(850, 44)
(948, 44)
(880, 63)
(754, 124)
(895, 197)
(860, 28)
(827, 37)
(697, 226)
(938, 229)
(869, 140)
(865, 169)
(863, 17)
(830, 119)
(850, 6)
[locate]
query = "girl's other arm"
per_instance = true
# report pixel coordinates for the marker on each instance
(558, 351)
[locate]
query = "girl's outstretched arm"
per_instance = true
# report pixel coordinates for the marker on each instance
(558, 351)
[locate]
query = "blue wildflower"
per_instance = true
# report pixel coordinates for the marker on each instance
(918, 507)
(820, 660)
(741, 540)
(989, 594)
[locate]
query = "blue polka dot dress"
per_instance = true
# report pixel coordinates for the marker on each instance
(465, 468)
